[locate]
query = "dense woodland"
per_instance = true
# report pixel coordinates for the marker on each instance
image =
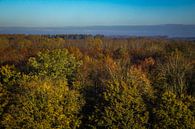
(88, 82)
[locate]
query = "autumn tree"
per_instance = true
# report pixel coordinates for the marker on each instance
(173, 74)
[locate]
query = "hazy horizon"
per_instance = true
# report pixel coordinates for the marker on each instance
(183, 31)
(132, 25)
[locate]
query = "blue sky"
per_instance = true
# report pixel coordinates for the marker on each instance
(58, 13)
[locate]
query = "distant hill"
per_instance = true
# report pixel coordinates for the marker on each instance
(169, 30)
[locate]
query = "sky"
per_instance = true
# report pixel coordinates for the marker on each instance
(60, 13)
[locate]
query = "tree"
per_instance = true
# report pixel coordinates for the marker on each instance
(119, 106)
(174, 112)
(44, 104)
(3, 99)
(9, 77)
(173, 74)
(119, 97)
(54, 64)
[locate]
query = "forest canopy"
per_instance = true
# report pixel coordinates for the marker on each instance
(85, 81)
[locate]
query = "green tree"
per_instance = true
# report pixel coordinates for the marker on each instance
(54, 64)
(173, 112)
(120, 106)
(44, 104)
(9, 77)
